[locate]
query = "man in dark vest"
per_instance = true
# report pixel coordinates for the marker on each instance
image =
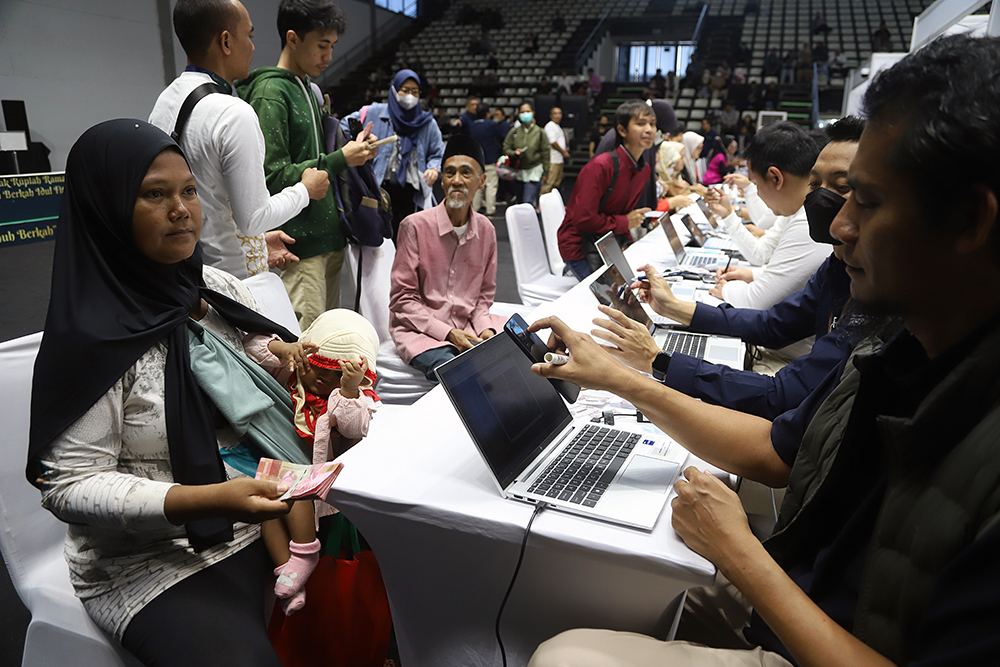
(885, 548)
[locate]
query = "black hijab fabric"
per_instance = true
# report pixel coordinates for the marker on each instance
(110, 304)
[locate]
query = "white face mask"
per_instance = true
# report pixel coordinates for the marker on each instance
(407, 101)
(659, 137)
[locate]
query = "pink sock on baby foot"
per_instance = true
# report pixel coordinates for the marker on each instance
(294, 603)
(292, 576)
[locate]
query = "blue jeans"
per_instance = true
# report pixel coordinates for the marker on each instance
(426, 362)
(530, 193)
(579, 267)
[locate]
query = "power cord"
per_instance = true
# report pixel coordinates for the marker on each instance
(524, 542)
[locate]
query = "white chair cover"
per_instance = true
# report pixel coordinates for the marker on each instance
(60, 631)
(398, 382)
(553, 212)
(272, 299)
(535, 284)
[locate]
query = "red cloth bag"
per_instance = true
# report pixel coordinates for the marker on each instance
(345, 622)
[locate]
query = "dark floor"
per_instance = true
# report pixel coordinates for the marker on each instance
(25, 276)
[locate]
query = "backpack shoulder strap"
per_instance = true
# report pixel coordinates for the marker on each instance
(614, 179)
(187, 107)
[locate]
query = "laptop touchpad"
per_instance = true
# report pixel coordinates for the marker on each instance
(649, 474)
(725, 353)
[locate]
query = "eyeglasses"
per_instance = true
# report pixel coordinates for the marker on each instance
(410, 91)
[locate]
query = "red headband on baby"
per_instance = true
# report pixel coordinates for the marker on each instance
(320, 361)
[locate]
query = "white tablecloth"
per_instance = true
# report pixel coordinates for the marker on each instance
(447, 542)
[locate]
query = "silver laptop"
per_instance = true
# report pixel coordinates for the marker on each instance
(707, 212)
(611, 289)
(537, 452)
(612, 255)
(696, 257)
(716, 239)
(697, 235)
(708, 240)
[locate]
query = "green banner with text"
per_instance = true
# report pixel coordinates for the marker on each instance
(29, 207)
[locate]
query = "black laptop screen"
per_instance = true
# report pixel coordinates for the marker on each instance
(511, 413)
(696, 233)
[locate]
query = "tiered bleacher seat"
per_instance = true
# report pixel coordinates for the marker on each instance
(784, 25)
(442, 46)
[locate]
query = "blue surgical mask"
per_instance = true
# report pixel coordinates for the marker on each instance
(526, 117)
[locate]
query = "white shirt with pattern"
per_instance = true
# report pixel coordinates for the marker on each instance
(108, 476)
(224, 146)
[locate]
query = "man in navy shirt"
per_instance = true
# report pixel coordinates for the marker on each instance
(816, 310)
(489, 131)
(885, 548)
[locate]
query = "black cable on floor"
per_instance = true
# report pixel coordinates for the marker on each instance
(527, 529)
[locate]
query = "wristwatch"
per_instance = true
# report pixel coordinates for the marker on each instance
(660, 365)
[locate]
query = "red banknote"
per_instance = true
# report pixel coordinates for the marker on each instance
(303, 481)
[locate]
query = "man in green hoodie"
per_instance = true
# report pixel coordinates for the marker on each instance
(294, 140)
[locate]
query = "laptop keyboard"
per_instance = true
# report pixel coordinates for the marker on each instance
(582, 472)
(698, 260)
(686, 343)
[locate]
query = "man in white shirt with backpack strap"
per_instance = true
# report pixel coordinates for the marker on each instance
(222, 140)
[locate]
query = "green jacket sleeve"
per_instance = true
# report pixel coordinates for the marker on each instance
(508, 143)
(279, 169)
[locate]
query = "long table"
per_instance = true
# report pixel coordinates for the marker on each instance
(447, 542)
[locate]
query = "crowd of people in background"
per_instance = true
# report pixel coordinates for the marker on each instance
(710, 80)
(886, 443)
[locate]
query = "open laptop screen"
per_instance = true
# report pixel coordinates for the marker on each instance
(675, 241)
(707, 212)
(612, 254)
(611, 289)
(511, 413)
(696, 233)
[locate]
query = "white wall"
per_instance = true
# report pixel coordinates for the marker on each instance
(76, 63)
(603, 58)
(267, 43)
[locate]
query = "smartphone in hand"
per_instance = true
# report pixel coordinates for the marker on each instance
(533, 346)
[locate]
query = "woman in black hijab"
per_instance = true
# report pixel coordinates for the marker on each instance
(123, 442)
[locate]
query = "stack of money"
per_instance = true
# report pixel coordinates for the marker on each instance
(311, 482)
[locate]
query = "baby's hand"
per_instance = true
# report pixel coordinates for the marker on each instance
(296, 354)
(352, 373)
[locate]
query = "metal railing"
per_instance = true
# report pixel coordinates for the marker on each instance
(701, 21)
(363, 50)
(589, 44)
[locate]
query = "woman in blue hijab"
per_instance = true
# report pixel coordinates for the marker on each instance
(408, 168)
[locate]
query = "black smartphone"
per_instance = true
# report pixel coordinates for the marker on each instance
(533, 346)
(354, 127)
